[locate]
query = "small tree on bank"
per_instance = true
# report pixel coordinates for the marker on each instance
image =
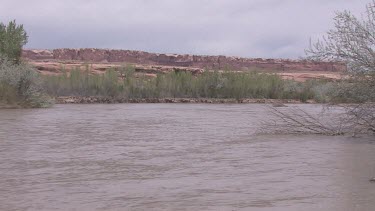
(12, 38)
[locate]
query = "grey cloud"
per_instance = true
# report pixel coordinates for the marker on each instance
(250, 28)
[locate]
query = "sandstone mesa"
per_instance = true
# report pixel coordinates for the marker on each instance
(99, 60)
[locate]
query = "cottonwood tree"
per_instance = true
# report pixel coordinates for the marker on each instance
(12, 38)
(20, 83)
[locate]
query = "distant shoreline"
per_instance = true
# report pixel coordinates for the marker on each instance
(109, 100)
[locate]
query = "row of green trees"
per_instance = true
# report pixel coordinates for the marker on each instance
(125, 84)
(20, 84)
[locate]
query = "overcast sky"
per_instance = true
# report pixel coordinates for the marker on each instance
(248, 28)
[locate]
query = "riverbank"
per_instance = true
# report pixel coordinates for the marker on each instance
(9, 106)
(109, 100)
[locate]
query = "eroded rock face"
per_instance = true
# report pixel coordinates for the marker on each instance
(38, 54)
(91, 55)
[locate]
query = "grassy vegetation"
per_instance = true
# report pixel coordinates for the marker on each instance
(359, 88)
(22, 86)
(124, 84)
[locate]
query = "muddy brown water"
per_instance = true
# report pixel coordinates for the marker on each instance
(175, 157)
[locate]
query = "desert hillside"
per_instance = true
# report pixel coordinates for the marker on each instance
(99, 60)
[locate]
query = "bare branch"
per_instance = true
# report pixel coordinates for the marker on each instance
(294, 120)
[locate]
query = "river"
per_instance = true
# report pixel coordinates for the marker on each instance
(175, 157)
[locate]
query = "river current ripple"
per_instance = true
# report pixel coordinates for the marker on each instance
(175, 157)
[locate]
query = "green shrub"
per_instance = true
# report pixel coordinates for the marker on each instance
(124, 83)
(21, 85)
(357, 89)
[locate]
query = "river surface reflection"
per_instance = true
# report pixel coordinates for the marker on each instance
(175, 157)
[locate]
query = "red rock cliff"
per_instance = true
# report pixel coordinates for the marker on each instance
(92, 55)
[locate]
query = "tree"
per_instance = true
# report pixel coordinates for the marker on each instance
(20, 84)
(12, 38)
(352, 41)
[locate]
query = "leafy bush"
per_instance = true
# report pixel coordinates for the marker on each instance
(20, 85)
